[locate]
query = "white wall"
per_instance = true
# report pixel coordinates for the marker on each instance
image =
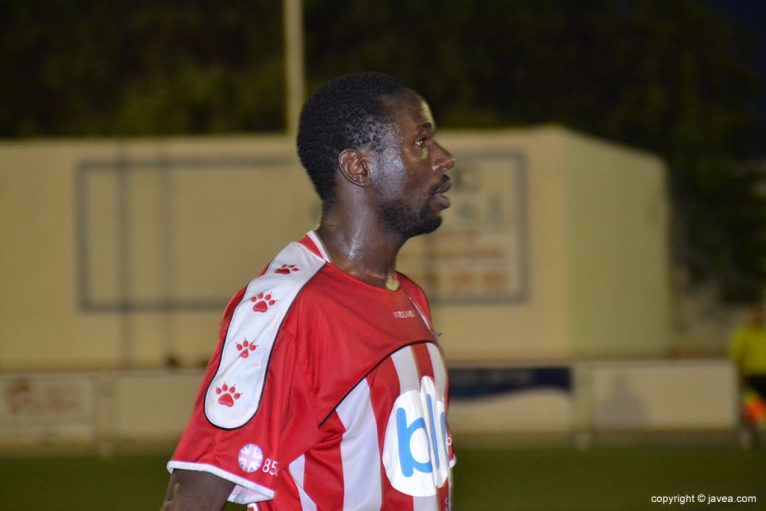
(596, 231)
(222, 222)
(616, 226)
(173, 227)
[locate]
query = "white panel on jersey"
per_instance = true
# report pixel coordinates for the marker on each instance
(425, 504)
(440, 372)
(318, 243)
(359, 451)
(235, 391)
(298, 471)
(440, 379)
(415, 448)
(406, 369)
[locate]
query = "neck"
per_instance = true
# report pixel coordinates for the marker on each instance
(359, 246)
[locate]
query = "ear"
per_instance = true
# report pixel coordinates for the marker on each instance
(355, 165)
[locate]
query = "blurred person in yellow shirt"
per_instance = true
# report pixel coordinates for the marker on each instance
(748, 351)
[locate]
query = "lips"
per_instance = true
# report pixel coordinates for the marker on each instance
(440, 190)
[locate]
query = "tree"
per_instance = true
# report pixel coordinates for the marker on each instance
(82, 67)
(664, 76)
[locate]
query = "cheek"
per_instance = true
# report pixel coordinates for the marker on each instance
(418, 169)
(405, 176)
(424, 179)
(393, 186)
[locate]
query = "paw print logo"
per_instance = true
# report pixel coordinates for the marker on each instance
(286, 269)
(227, 395)
(245, 347)
(262, 302)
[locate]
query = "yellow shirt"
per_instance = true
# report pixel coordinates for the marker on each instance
(748, 350)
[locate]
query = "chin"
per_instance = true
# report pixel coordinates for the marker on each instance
(427, 226)
(406, 224)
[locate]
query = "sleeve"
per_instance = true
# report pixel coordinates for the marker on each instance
(244, 427)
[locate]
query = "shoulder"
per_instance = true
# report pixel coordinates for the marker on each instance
(253, 323)
(280, 281)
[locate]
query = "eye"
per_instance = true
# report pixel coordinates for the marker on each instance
(421, 142)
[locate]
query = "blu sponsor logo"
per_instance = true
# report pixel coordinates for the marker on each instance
(416, 446)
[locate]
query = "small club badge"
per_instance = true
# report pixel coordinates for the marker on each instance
(250, 458)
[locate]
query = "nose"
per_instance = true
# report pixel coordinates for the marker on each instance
(443, 159)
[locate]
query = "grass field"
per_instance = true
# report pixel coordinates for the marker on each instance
(521, 479)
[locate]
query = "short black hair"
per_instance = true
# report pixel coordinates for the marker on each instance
(344, 113)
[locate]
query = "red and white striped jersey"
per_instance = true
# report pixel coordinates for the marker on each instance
(324, 393)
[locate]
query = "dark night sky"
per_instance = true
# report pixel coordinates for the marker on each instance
(750, 16)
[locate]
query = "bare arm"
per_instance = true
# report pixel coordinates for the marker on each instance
(189, 490)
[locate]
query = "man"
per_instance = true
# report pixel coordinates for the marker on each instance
(327, 390)
(748, 350)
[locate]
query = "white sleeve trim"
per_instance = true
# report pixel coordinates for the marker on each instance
(239, 495)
